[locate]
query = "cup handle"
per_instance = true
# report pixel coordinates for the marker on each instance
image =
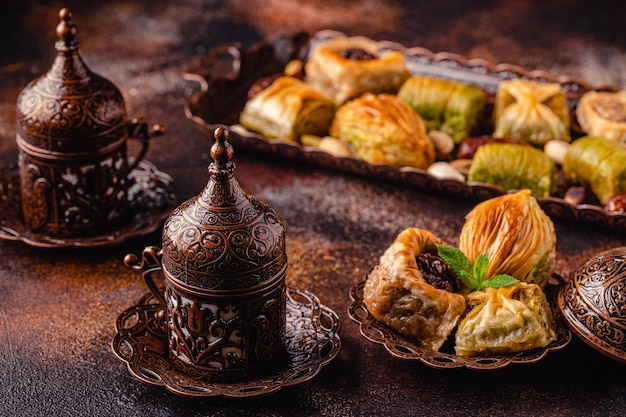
(138, 130)
(150, 263)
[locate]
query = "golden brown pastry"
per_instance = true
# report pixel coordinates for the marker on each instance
(287, 109)
(597, 163)
(397, 294)
(505, 320)
(517, 235)
(532, 111)
(452, 107)
(603, 114)
(345, 68)
(514, 167)
(381, 128)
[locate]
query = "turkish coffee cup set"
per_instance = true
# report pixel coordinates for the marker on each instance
(223, 312)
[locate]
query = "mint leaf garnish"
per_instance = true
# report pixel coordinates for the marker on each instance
(474, 277)
(498, 281)
(458, 262)
(481, 265)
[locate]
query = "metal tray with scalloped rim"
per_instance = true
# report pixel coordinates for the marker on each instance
(228, 71)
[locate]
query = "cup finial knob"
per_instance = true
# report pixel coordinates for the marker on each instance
(66, 29)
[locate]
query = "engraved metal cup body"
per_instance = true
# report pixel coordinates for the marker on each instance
(224, 264)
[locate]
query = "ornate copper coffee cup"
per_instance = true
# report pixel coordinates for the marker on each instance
(224, 263)
(72, 140)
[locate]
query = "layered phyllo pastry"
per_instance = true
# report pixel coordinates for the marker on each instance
(533, 111)
(603, 114)
(287, 109)
(486, 296)
(514, 167)
(409, 300)
(449, 106)
(381, 128)
(345, 68)
(599, 164)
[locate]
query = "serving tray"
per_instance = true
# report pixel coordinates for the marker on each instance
(228, 71)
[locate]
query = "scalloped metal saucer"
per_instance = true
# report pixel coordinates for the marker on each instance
(312, 341)
(151, 198)
(403, 348)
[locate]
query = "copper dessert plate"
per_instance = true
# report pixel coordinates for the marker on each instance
(312, 341)
(403, 348)
(151, 198)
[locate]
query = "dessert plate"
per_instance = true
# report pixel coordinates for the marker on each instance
(312, 341)
(150, 199)
(403, 348)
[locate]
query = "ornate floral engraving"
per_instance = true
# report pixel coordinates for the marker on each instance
(34, 205)
(223, 239)
(239, 337)
(72, 128)
(599, 300)
(70, 197)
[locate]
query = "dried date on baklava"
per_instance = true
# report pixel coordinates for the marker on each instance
(397, 294)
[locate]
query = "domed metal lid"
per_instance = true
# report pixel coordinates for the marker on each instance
(223, 239)
(593, 303)
(70, 109)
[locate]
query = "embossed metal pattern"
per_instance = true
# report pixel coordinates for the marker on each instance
(72, 136)
(151, 198)
(403, 348)
(70, 109)
(70, 198)
(226, 340)
(224, 263)
(206, 109)
(311, 341)
(594, 303)
(61, 112)
(224, 239)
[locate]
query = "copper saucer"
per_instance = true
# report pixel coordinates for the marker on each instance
(312, 334)
(151, 198)
(403, 348)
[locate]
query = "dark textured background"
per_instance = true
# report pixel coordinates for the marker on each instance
(58, 307)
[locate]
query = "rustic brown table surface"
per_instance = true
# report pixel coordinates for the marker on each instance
(58, 307)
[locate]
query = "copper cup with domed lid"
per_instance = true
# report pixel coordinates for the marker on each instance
(223, 263)
(72, 141)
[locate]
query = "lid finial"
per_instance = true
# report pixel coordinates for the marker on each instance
(221, 151)
(66, 29)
